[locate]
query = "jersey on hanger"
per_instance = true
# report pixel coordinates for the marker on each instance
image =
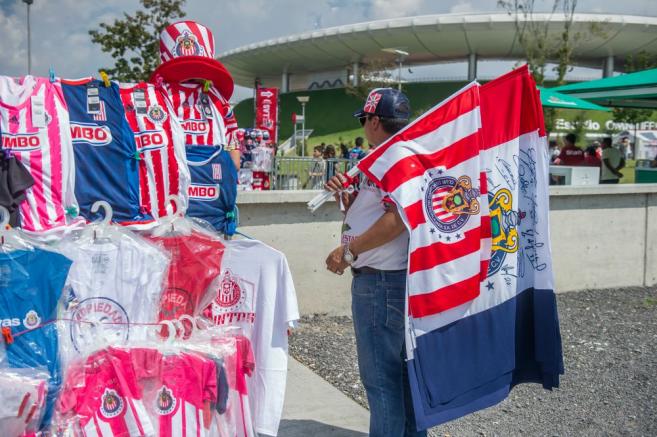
(31, 283)
(213, 190)
(160, 144)
(103, 397)
(34, 125)
(206, 117)
(257, 294)
(195, 265)
(118, 282)
(179, 390)
(106, 167)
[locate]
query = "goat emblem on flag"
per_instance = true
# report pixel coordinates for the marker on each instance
(449, 202)
(504, 222)
(372, 102)
(187, 45)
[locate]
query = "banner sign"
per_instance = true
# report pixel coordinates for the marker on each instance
(267, 111)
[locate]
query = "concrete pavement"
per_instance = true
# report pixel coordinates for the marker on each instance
(313, 407)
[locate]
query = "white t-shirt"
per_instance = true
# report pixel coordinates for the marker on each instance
(257, 294)
(614, 157)
(368, 206)
(118, 282)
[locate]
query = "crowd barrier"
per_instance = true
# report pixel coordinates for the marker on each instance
(602, 237)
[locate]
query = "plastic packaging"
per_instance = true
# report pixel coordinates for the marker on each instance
(22, 400)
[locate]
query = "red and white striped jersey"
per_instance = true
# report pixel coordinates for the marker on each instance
(102, 397)
(34, 125)
(163, 167)
(206, 118)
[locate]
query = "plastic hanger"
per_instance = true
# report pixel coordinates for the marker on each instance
(10, 238)
(173, 224)
(102, 230)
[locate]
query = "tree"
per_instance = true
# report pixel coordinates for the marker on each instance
(134, 40)
(373, 74)
(642, 61)
(541, 46)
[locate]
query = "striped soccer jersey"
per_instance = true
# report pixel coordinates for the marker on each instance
(103, 396)
(179, 391)
(104, 146)
(160, 143)
(206, 118)
(34, 125)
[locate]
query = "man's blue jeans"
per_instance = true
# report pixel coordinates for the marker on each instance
(378, 311)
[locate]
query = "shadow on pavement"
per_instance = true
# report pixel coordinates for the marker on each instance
(299, 428)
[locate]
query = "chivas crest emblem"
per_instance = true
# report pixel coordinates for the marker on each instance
(156, 114)
(165, 402)
(111, 404)
(31, 320)
(504, 222)
(230, 292)
(449, 202)
(187, 45)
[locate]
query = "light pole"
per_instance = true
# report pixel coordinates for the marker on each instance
(401, 55)
(303, 100)
(29, 37)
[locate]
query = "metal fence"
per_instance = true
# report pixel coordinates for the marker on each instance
(296, 173)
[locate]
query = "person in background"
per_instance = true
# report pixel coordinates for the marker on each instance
(626, 148)
(612, 162)
(653, 163)
(316, 173)
(344, 151)
(554, 150)
(357, 152)
(591, 157)
(570, 154)
(329, 158)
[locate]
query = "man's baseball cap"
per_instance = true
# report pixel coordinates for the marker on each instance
(386, 103)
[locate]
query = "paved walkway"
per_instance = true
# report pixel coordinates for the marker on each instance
(313, 407)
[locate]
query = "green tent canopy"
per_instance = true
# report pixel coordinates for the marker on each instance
(553, 99)
(633, 90)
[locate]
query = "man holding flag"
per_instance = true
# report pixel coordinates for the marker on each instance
(469, 182)
(375, 246)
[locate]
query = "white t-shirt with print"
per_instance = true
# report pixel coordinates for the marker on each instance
(368, 207)
(257, 294)
(116, 283)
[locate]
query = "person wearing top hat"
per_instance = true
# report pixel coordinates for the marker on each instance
(375, 248)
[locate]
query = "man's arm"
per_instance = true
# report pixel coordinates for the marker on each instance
(606, 162)
(384, 230)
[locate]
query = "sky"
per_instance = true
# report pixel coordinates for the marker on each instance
(60, 27)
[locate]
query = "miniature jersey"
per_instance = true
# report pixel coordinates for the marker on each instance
(115, 283)
(195, 265)
(237, 420)
(102, 394)
(179, 390)
(34, 125)
(31, 283)
(106, 167)
(160, 144)
(206, 117)
(14, 182)
(213, 191)
(259, 297)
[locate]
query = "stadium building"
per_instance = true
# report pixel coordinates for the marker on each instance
(329, 59)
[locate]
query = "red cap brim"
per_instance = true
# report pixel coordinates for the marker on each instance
(187, 68)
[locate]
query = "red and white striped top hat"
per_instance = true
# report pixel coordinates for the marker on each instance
(187, 53)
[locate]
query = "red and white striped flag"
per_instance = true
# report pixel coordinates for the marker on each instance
(433, 172)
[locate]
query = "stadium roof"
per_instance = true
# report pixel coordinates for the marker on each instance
(433, 39)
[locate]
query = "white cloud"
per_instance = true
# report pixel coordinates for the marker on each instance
(396, 8)
(462, 7)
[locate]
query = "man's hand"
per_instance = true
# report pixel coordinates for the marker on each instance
(335, 184)
(335, 261)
